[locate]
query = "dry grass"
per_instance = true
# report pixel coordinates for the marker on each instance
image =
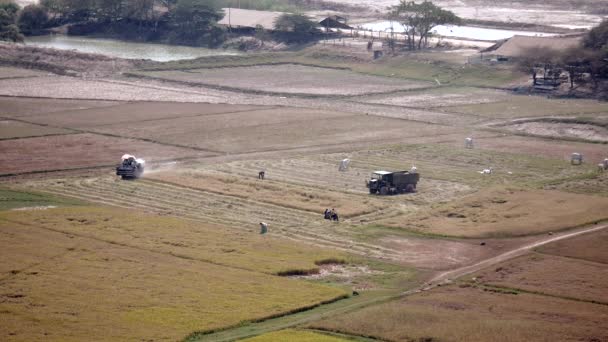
(591, 247)
(470, 314)
(65, 287)
(551, 275)
(187, 239)
(285, 195)
(530, 106)
(294, 336)
(290, 79)
(597, 185)
(13, 129)
(501, 212)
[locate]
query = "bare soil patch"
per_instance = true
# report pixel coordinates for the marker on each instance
(469, 314)
(591, 247)
(12, 107)
(14, 129)
(291, 79)
(507, 212)
(436, 254)
(79, 151)
(561, 130)
(551, 275)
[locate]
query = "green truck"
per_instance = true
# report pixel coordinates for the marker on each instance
(392, 183)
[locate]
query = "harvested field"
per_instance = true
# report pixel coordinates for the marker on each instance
(588, 132)
(534, 146)
(469, 314)
(59, 87)
(133, 113)
(11, 107)
(522, 106)
(10, 129)
(551, 275)
(290, 79)
(506, 212)
(462, 166)
(238, 248)
(79, 151)
(290, 196)
(306, 171)
(71, 288)
(438, 98)
(295, 336)
(10, 72)
(591, 247)
(274, 129)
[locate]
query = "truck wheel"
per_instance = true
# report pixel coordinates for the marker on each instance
(372, 191)
(383, 191)
(410, 188)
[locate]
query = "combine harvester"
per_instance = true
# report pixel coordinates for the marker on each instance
(130, 167)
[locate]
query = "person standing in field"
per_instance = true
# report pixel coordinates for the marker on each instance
(263, 228)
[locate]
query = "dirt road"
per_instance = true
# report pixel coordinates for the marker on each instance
(445, 277)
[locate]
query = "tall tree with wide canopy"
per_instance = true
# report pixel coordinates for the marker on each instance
(419, 19)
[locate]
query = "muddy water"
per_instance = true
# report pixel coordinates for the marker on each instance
(122, 49)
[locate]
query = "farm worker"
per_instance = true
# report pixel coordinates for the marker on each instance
(327, 214)
(263, 228)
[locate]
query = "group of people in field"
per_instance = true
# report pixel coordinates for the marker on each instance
(331, 215)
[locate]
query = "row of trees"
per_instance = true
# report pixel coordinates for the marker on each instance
(584, 64)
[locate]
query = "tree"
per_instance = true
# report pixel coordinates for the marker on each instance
(597, 38)
(419, 19)
(33, 18)
(296, 28)
(8, 18)
(194, 22)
